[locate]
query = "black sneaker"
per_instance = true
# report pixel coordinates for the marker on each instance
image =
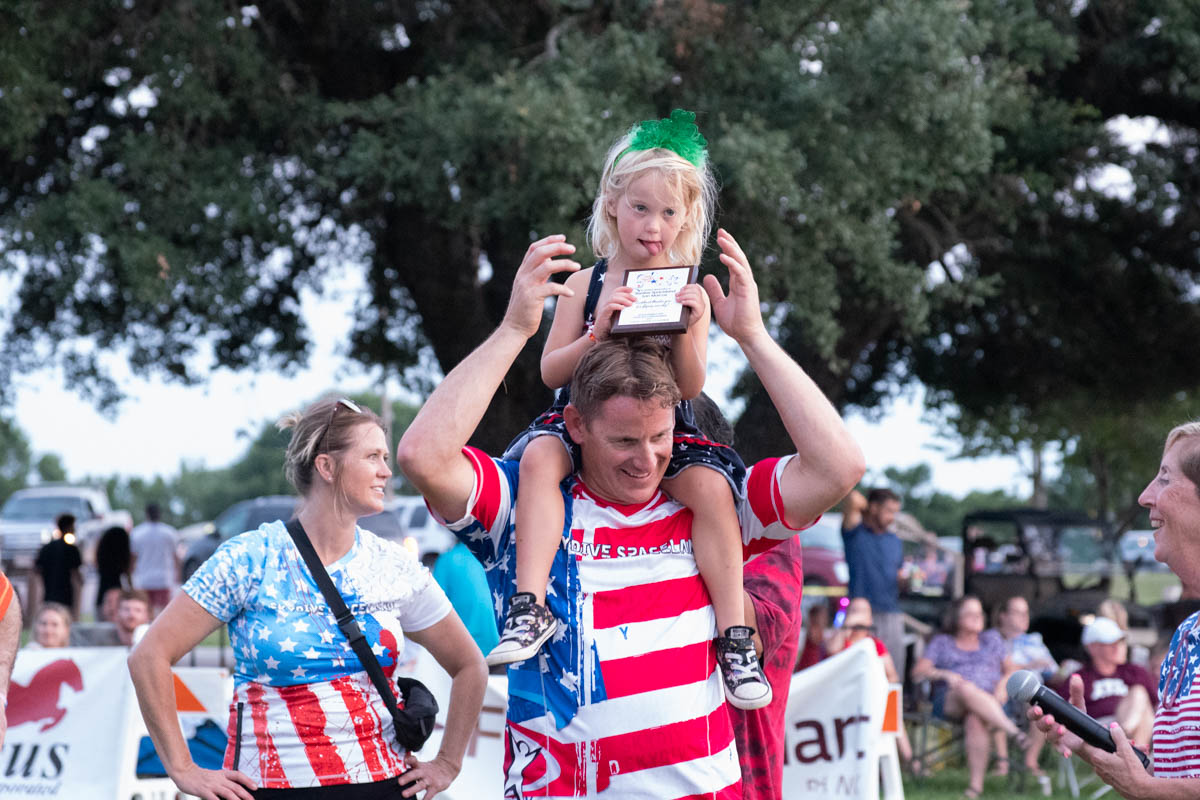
(526, 628)
(745, 685)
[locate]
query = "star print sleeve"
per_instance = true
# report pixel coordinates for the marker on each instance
(486, 528)
(222, 584)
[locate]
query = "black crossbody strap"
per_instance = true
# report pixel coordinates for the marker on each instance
(345, 620)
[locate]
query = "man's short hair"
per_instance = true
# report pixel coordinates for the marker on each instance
(153, 512)
(636, 367)
(65, 523)
(882, 496)
(134, 594)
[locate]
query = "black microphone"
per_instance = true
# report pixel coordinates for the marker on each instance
(1026, 687)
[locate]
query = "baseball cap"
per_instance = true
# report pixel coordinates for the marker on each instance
(1102, 630)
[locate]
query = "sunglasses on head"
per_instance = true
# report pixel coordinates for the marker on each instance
(343, 402)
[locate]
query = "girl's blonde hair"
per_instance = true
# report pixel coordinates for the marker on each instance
(695, 185)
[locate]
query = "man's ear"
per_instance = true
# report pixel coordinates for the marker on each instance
(574, 422)
(323, 464)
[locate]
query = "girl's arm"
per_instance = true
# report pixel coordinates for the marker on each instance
(564, 344)
(689, 350)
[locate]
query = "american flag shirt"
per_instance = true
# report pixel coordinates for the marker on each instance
(625, 699)
(1176, 737)
(309, 714)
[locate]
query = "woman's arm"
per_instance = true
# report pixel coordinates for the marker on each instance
(689, 350)
(182, 625)
(454, 649)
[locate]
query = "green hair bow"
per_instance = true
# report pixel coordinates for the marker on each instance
(677, 133)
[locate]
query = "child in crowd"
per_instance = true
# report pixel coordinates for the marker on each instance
(654, 208)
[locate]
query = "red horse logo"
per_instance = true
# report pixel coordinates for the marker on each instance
(39, 699)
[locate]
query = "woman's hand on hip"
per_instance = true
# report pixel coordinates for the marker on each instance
(215, 784)
(430, 777)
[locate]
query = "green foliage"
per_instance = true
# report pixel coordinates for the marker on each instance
(15, 457)
(50, 469)
(917, 182)
(938, 511)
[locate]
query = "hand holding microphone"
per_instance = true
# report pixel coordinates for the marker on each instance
(1025, 687)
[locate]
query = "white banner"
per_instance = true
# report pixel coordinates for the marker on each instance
(66, 713)
(832, 727)
(74, 728)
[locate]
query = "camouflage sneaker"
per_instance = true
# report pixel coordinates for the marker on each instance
(745, 685)
(526, 628)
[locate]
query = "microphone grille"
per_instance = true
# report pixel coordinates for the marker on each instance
(1022, 685)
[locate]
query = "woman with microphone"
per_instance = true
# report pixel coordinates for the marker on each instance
(1173, 498)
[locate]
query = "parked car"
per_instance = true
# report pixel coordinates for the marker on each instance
(824, 554)
(424, 535)
(247, 515)
(27, 519)
(1137, 549)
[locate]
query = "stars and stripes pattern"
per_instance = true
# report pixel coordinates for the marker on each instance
(626, 700)
(1176, 736)
(309, 713)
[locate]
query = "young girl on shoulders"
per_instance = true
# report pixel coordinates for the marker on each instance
(654, 208)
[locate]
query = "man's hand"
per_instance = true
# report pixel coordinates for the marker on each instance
(532, 284)
(738, 313)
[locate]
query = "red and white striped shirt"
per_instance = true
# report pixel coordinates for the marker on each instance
(626, 699)
(1176, 737)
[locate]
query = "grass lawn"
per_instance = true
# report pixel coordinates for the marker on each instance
(948, 784)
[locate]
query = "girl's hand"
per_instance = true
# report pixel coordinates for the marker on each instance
(214, 784)
(430, 777)
(691, 296)
(621, 298)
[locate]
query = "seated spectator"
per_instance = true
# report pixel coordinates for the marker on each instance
(814, 636)
(966, 663)
(858, 625)
(51, 627)
(1113, 689)
(1026, 651)
(132, 616)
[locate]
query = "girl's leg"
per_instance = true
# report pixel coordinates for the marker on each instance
(716, 539)
(540, 512)
(540, 516)
(717, 547)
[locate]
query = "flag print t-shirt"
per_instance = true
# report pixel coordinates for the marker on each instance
(304, 712)
(625, 700)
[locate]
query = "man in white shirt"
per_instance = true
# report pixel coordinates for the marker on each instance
(155, 563)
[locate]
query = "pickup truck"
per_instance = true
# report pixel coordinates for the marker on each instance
(27, 520)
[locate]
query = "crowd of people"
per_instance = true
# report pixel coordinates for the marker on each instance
(646, 613)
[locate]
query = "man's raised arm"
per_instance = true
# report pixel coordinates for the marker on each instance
(829, 462)
(430, 452)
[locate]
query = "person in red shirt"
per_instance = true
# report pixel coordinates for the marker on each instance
(857, 625)
(1114, 690)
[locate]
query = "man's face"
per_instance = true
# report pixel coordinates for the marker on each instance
(131, 613)
(1108, 656)
(1175, 513)
(882, 514)
(626, 447)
